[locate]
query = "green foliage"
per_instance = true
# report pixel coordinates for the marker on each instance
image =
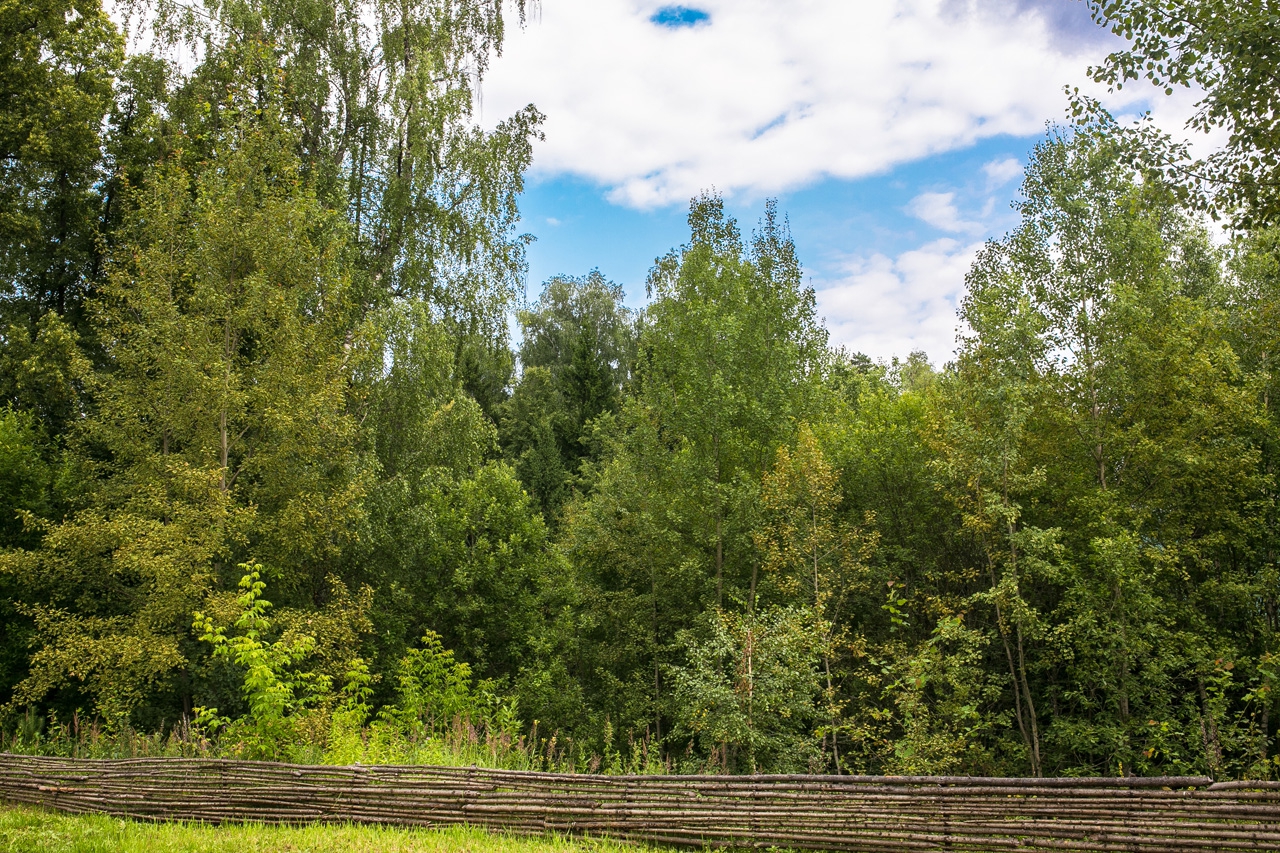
(275, 690)
(942, 702)
(256, 309)
(433, 686)
(280, 285)
(223, 422)
(534, 427)
(809, 558)
(44, 371)
(25, 478)
(730, 358)
(1099, 393)
(287, 704)
(56, 81)
(440, 716)
(1223, 47)
(748, 693)
(577, 351)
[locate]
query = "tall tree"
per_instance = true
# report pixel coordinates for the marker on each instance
(383, 96)
(57, 75)
(730, 361)
(221, 428)
(274, 217)
(1098, 343)
(450, 543)
(814, 560)
(577, 352)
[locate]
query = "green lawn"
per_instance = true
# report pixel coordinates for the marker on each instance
(31, 830)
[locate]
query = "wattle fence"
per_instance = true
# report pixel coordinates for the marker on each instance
(863, 813)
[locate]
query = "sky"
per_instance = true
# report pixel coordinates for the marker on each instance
(892, 132)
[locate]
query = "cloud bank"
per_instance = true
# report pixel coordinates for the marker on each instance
(654, 102)
(760, 96)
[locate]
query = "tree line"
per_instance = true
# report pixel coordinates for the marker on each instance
(277, 482)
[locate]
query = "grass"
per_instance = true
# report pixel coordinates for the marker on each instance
(34, 830)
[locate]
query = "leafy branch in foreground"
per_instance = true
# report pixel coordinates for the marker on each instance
(1228, 49)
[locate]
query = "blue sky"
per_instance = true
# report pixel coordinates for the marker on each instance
(835, 223)
(893, 134)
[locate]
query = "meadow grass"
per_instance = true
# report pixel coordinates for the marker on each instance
(34, 830)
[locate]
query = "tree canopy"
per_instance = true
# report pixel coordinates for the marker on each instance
(276, 481)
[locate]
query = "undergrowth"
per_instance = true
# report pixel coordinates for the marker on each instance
(297, 712)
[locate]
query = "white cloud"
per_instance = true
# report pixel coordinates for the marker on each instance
(940, 211)
(1001, 172)
(770, 96)
(887, 307)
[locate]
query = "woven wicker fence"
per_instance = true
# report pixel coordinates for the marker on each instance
(816, 812)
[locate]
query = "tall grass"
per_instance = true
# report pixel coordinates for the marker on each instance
(460, 741)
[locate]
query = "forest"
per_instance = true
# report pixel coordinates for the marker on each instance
(280, 480)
